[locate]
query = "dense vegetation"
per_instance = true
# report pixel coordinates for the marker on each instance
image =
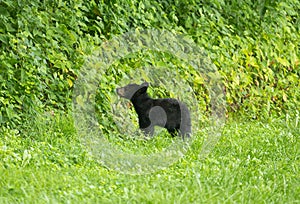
(253, 44)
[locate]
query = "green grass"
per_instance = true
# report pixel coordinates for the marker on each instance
(253, 162)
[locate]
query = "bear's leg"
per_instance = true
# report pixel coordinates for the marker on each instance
(148, 131)
(185, 131)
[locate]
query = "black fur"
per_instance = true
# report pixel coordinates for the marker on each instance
(168, 113)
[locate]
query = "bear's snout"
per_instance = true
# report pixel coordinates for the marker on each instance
(121, 91)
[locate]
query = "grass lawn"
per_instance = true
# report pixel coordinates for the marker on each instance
(253, 162)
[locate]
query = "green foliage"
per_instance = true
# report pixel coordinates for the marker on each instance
(255, 45)
(41, 52)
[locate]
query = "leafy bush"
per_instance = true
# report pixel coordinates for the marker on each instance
(255, 46)
(41, 52)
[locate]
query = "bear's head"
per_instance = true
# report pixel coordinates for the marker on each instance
(132, 90)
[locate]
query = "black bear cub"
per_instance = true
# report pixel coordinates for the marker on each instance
(168, 112)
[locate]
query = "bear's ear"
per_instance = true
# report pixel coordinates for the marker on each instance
(145, 84)
(143, 87)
